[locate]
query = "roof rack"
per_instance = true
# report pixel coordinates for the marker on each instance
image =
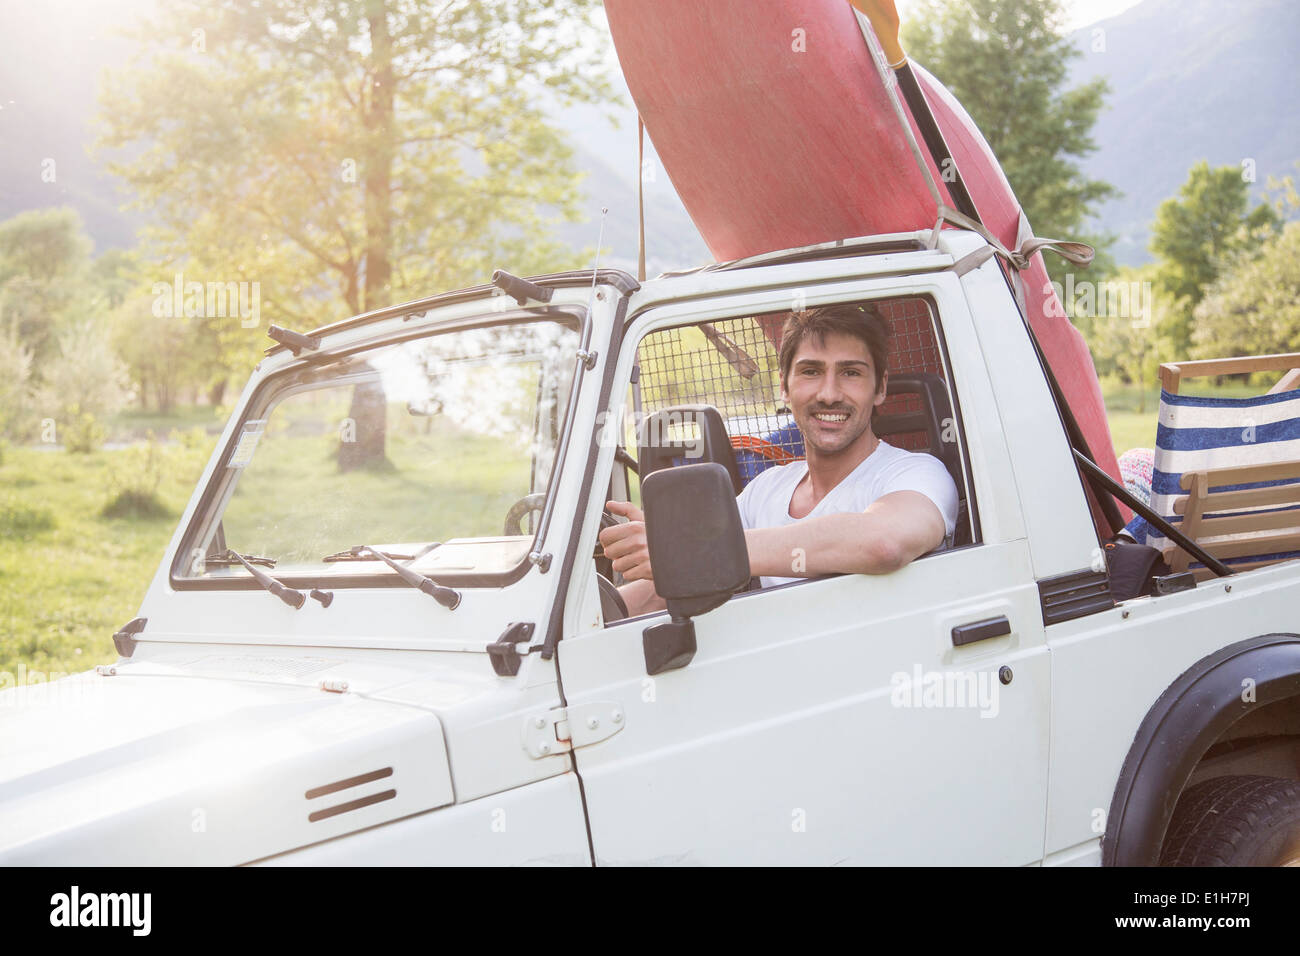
(615, 277)
(838, 248)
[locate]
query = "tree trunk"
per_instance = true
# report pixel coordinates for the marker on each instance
(351, 293)
(217, 391)
(362, 433)
(378, 120)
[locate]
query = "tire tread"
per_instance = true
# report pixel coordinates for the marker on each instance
(1214, 819)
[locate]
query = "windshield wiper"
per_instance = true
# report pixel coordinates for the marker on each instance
(447, 597)
(358, 553)
(229, 558)
(290, 596)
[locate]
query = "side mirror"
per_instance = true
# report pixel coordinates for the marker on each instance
(697, 549)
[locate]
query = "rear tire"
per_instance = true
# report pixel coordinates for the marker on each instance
(1236, 821)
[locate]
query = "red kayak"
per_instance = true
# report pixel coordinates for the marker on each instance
(775, 125)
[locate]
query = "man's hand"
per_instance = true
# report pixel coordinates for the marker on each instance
(625, 544)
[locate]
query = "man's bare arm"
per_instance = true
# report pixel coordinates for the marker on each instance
(895, 530)
(892, 532)
(641, 598)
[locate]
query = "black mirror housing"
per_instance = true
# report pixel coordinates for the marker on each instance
(697, 550)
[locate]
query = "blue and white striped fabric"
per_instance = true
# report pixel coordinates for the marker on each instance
(1202, 433)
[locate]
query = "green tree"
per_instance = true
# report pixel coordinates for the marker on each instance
(167, 351)
(112, 276)
(1006, 61)
(1197, 234)
(85, 383)
(15, 385)
(43, 245)
(44, 254)
(1253, 307)
(1126, 342)
(345, 155)
(49, 285)
(158, 351)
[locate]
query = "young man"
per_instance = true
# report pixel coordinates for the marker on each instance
(856, 505)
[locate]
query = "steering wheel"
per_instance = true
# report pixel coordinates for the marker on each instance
(612, 605)
(533, 503)
(525, 505)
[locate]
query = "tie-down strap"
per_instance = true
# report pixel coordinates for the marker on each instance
(1079, 253)
(1028, 245)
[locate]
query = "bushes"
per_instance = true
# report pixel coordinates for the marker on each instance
(82, 432)
(84, 384)
(15, 385)
(22, 521)
(134, 504)
(134, 475)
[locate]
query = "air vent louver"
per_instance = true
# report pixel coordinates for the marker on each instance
(347, 784)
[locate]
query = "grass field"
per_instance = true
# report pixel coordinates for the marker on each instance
(1132, 416)
(69, 576)
(293, 504)
(134, 424)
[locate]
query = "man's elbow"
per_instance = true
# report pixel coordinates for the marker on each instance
(886, 556)
(889, 554)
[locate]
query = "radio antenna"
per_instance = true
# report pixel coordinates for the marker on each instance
(640, 197)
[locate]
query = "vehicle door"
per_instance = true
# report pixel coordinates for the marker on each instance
(885, 719)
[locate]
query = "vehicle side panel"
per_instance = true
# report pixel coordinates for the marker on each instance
(1108, 669)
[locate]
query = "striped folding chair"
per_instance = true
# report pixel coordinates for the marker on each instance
(1227, 470)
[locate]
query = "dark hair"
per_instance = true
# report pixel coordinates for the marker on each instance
(864, 322)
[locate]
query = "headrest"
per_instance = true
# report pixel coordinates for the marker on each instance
(933, 417)
(685, 435)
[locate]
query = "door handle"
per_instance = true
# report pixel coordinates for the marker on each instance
(980, 630)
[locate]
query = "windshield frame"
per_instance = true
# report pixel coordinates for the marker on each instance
(274, 388)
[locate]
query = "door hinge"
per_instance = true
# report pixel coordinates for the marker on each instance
(562, 729)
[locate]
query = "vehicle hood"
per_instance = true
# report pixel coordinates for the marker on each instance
(151, 765)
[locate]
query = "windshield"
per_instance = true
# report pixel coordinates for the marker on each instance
(437, 451)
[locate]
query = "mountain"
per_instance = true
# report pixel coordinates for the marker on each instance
(50, 59)
(1189, 80)
(607, 156)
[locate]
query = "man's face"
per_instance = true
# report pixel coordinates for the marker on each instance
(831, 390)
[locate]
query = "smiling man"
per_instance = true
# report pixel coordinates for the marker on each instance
(856, 505)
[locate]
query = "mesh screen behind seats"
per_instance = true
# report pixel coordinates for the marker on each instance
(734, 368)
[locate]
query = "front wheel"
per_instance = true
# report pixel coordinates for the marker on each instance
(1236, 821)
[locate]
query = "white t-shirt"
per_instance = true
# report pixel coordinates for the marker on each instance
(765, 502)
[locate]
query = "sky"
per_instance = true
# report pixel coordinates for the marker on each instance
(1082, 12)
